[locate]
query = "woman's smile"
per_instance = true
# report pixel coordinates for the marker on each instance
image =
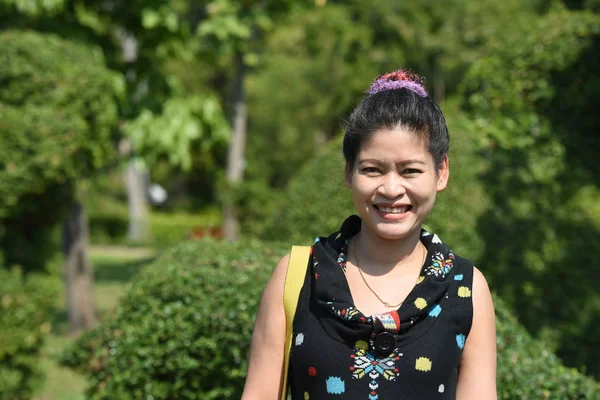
(395, 212)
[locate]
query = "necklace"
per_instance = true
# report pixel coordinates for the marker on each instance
(385, 303)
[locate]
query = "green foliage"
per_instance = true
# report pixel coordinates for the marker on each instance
(25, 304)
(186, 128)
(57, 114)
(316, 65)
(183, 331)
(319, 62)
(257, 204)
(315, 202)
(536, 124)
(57, 111)
(106, 204)
(167, 228)
(457, 210)
(527, 368)
(33, 8)
(237, 27)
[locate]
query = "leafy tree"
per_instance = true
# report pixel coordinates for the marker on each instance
(532, 101)
(142, 41)
(236, 30)
(57, 114)
(318, 62)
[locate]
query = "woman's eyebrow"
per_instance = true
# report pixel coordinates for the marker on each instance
(379, 162)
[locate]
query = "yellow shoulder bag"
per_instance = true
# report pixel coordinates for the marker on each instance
(294, 279)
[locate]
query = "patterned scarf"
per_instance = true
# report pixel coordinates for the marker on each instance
(345, 323)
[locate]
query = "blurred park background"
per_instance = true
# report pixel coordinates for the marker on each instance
(157, 157)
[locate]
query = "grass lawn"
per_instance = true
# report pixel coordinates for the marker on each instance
(113, 268)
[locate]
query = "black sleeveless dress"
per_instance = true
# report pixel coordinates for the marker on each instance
(413, 352)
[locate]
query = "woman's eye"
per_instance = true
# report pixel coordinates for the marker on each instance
(411, 171)
(371, 170)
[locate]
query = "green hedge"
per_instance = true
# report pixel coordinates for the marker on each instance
(25, 306)
(314, 202)
(183, 332)
(57, 114)
(183, 329)
(166, 228)
(528, 370)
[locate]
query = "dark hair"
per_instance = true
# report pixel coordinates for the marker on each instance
(390, 109)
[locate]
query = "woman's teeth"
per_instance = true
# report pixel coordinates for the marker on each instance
(395, 210)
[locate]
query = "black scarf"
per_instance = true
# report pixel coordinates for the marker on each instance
(343, 322)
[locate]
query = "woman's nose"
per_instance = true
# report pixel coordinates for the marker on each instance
(392, 186)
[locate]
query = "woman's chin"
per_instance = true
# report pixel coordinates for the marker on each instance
(384, 231)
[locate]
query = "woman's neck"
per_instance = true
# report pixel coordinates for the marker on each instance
(379, 256)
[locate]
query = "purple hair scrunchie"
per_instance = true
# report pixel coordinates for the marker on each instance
(383, 84)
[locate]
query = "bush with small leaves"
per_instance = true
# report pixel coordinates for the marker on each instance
(24, 326)
(58, 112)
(183, 329)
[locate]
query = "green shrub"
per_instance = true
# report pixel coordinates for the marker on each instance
(527, 369)
(166, 228)
(315, 202)
(257, 203)
(537, 127)
(25, 305)
(183, 332)
(57, 115)
(183, 329)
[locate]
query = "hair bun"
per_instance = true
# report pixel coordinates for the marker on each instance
(399, 79)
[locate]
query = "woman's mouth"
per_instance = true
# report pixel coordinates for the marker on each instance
(392, 210)
(393, 213)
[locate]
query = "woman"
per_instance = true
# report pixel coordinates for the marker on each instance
(387, 310)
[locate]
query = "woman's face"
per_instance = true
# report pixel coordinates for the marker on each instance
(394, 183)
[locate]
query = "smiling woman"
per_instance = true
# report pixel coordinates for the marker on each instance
(386, 308)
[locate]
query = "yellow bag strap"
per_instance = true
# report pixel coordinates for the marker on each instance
(294, 280)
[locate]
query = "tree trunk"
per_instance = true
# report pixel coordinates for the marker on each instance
(235, 157)
(135, 176)
(136, 179)
(78, 271)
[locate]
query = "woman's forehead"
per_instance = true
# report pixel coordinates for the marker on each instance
(394, 144)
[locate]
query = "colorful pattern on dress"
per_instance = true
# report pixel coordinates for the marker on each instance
(389, 320)
(348, 313)
(440, 265)
(341, 261)
(367, 364)
(340, 352)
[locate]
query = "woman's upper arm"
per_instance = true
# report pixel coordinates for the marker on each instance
(265, 367)
(477, 377)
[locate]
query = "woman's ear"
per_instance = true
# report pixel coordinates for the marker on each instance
(348, 174)
(443, 173)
